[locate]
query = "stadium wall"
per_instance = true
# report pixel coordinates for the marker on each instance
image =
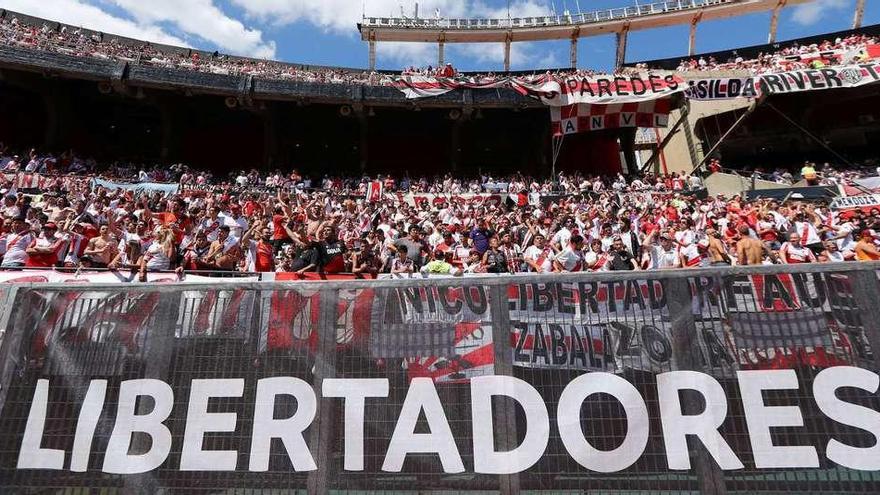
(593, 381)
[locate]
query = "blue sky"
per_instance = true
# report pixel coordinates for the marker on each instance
(324, 31)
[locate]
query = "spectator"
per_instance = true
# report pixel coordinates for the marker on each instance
(620, 257)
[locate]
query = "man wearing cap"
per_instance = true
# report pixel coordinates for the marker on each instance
(237, 222)
(663, 255)
(43, 250)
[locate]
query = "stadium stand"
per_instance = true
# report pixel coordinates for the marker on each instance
(200, 255)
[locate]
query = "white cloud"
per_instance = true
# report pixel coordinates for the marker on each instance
(203, 19)
(405, 54)
(200, 18)
(76, 13)
(807, 14)
(341, 16)
(491, 55)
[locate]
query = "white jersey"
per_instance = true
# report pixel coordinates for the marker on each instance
(156, 257)
(16, 246)
(661, 258)
(541, 257)
(571, 260)
(211, 228)
(796, 254)
(808, 232)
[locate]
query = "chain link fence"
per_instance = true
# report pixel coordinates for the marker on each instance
(739, 380)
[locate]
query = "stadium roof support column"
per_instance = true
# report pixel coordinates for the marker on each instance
(507, 41)
(860, 12)
(441, 50)
(774, 21)
(372, 43)
(692, 38)
(573, 51)
(620, 54)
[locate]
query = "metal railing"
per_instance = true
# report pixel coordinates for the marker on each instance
(567, 19)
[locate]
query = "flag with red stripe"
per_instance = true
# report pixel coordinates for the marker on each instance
(374, 191)
(583, 117)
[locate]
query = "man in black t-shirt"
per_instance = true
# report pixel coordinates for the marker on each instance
(331, 252)
(621, 259)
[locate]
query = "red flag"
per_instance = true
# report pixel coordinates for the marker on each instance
(374, 191)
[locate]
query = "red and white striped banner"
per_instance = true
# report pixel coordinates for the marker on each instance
(27, 180)
(583, 117)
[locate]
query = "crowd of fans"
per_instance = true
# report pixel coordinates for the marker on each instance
(76, 42)
(831, 176)
(841, 51)
(282, 221)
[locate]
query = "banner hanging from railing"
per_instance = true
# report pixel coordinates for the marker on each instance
(74, 276)
(582, 117)
(441, 384)
(608, 90)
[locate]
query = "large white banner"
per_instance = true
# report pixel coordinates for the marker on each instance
(606, 90)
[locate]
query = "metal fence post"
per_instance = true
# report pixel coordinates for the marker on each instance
(685, 347)
(325, 367)
(504, 418)
(866, 292)
(157, 356)
(10, 340)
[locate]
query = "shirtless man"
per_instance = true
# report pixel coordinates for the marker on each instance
(749, 251)
(716, 250)
(225, 251)
(101, 250)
